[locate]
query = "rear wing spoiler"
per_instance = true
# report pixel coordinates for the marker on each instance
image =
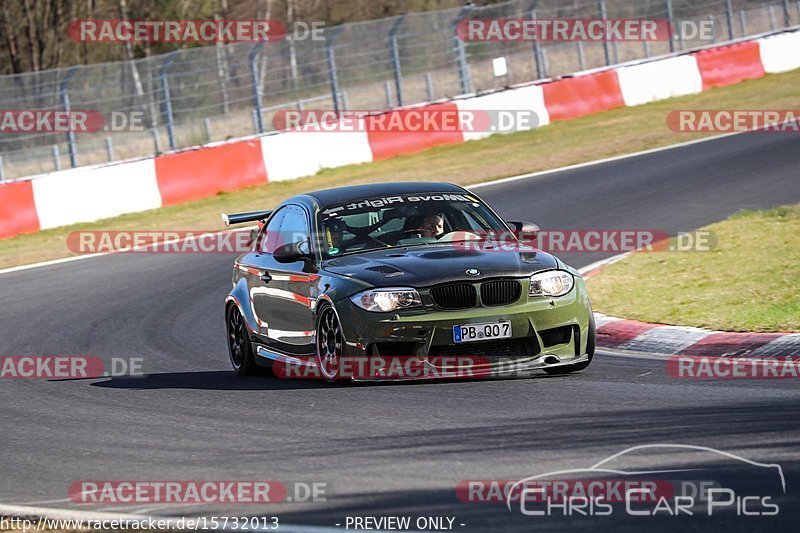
(241, 218)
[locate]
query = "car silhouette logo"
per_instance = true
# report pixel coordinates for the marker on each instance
(473, 272)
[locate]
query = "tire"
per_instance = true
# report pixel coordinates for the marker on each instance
(590, 346)
(330, 344)
(240, 348)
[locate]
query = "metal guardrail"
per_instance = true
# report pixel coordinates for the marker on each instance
(198, 95)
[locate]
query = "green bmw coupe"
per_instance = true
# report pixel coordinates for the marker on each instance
(402, 281)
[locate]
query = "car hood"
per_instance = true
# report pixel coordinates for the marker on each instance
(431, 265)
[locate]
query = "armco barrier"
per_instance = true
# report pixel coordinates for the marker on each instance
(17, 209)
(196, 174)
(294, 154)
(649, 82)
(386, 144)
(92, 193)
(730, 64)
(578, 96)
(530, 98)
(780, 53)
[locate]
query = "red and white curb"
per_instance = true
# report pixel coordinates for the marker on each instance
(625, 335)
(634, 336)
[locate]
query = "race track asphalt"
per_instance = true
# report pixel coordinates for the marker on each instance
(390, 449)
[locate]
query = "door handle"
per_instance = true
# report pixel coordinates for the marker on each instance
(265, 277)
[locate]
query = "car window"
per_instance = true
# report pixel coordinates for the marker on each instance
(269, 239)
(288, 225)
(403, 220)
(473, 224)
(295, 226)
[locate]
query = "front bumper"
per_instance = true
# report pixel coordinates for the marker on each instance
(430, 369)
(557, 328)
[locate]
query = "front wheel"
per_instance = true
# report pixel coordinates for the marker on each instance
(590, 346)
(330, 345)
(240, 348)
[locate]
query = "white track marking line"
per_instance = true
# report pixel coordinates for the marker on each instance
(593, 266)
(611, 159)
(134, 249)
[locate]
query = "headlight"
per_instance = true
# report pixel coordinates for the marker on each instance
(552, 283)
(386, 300)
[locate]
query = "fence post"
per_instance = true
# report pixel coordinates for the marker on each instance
(332, 75)
(743, 21)
(545, 61)
(729, 18)
(222, 70)
(429, 85)
(387, 87)
(252, 58)
(461, 53)
(254, 116)
(541, 72)
(604, 15)
(109, 149)
(398, 75)
(56, 157)
(62, 89)
(162, 76)
(581, 57)
(2, 170)
(787, 20)
(713, 28)
(207, 129)
(772, 23)
(156, 139)
(671, 18)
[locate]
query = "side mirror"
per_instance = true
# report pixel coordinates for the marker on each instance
(525, 230)
(291, 252)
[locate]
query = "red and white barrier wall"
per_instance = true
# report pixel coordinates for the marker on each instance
(93, 193)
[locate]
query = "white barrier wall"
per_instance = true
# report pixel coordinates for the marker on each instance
(304, 153)
(85, 194)
(648, 82)
(780, 53)
(529, 98)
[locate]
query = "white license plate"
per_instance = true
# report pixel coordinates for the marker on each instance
(482, 332)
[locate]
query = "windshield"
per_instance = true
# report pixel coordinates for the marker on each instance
(404, 220)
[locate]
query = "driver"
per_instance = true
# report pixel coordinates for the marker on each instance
(433, 226)
(335, 234)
